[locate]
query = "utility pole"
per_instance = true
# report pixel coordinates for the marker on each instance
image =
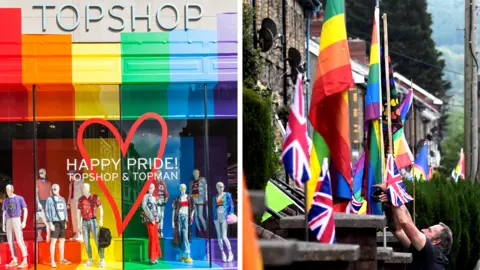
(471, 91)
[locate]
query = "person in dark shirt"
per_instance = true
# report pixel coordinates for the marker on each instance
(429, 247)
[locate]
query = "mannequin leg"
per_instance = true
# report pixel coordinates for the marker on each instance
(73, 209)
(62, 248)
(86, 236)
(224, 227)
(53, 243)
(199, 228)
(47, 229)
(11, 244)
(17, 228)
(160, 223)
(219, 239)
(184, 237)
(202, 218)
(101, 251)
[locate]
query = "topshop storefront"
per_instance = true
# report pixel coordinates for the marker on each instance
(119, 115)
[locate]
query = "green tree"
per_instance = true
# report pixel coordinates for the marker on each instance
(453, 141)
(410, 39)
(252, 63)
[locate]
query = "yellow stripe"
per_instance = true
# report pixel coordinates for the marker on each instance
(333, 31)
(315, 174)
(375, 54)
(96, 63)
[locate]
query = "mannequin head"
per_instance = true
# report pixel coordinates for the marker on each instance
(55, 189)
(42, 173)
(9, 190)
(183, 189)
(220, 187)
(196, 173)
(151, 188)
(86, 189)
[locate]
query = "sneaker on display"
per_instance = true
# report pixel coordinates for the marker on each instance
(13, 263)
(88, 262)
(188, 260)
(24, 264)
(101, 263)
(64, 261)
(53, 264)
(224, 257)
(230, 257)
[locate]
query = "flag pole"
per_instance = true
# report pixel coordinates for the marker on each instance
(413, 144)
(389, 110)
(306, 183)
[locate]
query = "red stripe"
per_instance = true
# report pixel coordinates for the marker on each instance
(10, 46)
(332, 82)
(330, 119)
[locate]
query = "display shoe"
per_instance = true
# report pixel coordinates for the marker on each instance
(101, 263)
(24, 264)
(188, 260)
(53, 264)
(224, 257)
(88, 262)
(230, 256)
(13, 263)
(64, 261)
(39, 238)
(182, 259)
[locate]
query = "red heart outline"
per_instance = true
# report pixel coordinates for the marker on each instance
(121, 225)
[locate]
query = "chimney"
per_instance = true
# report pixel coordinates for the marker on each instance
(316, 23)
(358, 51)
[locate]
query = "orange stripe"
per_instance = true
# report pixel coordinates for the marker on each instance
(333, 57)
(335, 81)
(252, 259)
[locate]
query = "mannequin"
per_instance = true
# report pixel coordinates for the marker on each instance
(41, 217)
(198, 188)
(223, 206)
(12, 212)
(74, 193)
(44, 187)
(161, 194)
(57, 217)
(87, 220)
(151, 218)
(182, 218)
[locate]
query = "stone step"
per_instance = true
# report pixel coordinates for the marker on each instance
(384, 253)
(257, 199)
(278, 254)
(341, 221)
(398, 261)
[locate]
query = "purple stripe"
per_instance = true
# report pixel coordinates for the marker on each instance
(225, 93)
(371, 111)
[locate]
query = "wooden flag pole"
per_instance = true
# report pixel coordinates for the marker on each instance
(389, 110)
(412, 132)
(387, 84)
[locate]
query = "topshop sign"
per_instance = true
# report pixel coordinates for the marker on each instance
(92, 13)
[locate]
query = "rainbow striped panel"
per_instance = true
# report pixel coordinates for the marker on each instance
(156, 72)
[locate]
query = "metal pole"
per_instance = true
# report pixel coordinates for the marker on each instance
(284, 51)
(307, 86)
(207, 169)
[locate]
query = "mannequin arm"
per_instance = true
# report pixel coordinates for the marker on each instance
(145, 208)
(69, 192)
(100, 208)
(173, 218)
(231, 207)
(4, 219)
(79, 218)
(206, 191)
(25, 215)
(48, 212)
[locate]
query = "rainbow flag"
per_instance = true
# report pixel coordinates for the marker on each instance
(329, 103)
(373, 114)
(420, 169)
(251, 251)
(402, 153)
(459, 171)
(358, 204)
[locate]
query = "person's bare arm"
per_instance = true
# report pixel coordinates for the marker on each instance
(395, 227)
(405, 221)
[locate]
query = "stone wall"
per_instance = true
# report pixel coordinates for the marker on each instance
(273, 71)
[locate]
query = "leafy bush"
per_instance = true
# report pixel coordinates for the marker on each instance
(456, 205)
(252, 63)
(258, 158)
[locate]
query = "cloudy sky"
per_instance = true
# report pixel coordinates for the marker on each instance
(448, 23)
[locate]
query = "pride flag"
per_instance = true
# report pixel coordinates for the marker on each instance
(373, 114)
(420, 169)
(358, 204)
(403, 154)
(459, 171)
(329, 103)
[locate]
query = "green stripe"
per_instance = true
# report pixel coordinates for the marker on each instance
(375, 158)
(321, 147)
(334, 8)
(374, 74)
(276, 200)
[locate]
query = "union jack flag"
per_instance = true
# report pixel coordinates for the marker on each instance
(395, 188)
(355, 205)
(295, 155)
(320, 216)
